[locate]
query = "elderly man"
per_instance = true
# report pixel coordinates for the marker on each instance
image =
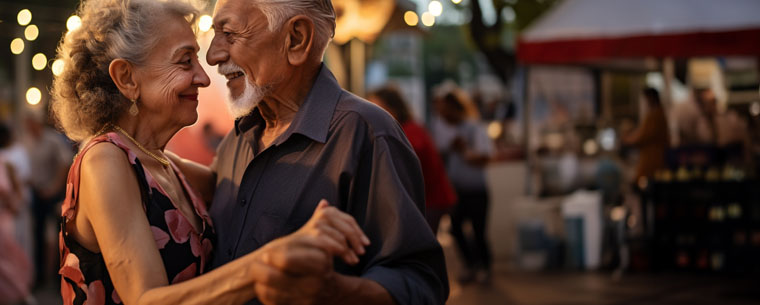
(298, 138)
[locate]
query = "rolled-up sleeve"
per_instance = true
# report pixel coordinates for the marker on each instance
(405, 257)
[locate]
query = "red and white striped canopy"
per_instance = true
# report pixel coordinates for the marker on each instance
(578, 31)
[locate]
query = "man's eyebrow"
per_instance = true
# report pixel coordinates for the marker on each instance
(219, 23)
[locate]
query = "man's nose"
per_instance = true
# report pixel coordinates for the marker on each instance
(217, 51)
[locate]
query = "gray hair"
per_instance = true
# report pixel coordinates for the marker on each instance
(321, 12)
(84, 97)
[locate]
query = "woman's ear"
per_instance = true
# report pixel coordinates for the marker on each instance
(123, 75)
(299, 39)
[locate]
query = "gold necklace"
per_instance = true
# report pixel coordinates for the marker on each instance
(161, 160)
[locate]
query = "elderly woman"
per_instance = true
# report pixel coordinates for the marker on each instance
(134, 231)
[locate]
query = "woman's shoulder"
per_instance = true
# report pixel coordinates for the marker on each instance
(104, 156)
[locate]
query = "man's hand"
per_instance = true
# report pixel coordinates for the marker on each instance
(301, 263)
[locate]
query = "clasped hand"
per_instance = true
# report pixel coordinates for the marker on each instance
(299, 266)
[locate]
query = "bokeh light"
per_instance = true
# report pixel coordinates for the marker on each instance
(754, 109)
(57, 67)
(17, 46)
(24, 17)
(428, 19)
(435, 8)
(39, 61)
(73, 23)
(31, 32)
(456, 1)
(33, 96)
(205, 22)
(590, 147)
(411, 18)
(495, 129)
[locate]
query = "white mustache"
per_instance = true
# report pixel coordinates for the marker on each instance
(228, 68)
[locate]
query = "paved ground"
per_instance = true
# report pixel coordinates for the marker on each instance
(562, 288)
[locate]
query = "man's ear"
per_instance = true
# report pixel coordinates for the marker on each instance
(299, 39)
(123, 75)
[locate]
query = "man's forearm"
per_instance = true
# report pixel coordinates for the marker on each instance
(346, 290)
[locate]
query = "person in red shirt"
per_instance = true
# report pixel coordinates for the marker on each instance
(439, 194)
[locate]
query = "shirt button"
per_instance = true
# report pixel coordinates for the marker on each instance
(242, 202)
(229, 252)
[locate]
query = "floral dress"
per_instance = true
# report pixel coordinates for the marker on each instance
(184, 251)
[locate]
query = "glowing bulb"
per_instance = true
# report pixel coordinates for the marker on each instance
(411, 18)
(17, 46)
(31, 32)
(456, 1)
(590, 147)
(435, 8)
(24, 17)
(39, 61)
(73, 23)
(428, 19)
(205, 22)
(494, 129)
(57, 67)
(33, 96)
(754, 109)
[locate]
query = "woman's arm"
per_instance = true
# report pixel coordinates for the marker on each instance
(201, 177)
(111, 219)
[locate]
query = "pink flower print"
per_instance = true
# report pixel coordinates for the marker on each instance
(67, 292)
(161, 237)
(195, 244)
(179, 227)
(185, 275)
(70, 270)
(96, 294)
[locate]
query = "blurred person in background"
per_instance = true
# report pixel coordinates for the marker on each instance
(15, 275)
(466, 147)
(651, 137)
(439, 194)
(16, 155)
(50, 157)
(702, 123)
(133, 230)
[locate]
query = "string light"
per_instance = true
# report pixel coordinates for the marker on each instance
(435, 8)
(33, 96)
(39, 61)
(24, 17)
(17, 46)
(73, 23)
(411, 18)
(31, 32)
(428, 19)
(57, 67)
(205, 22)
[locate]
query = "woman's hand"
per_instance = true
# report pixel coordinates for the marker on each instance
(337, 231)
(329, 231)
(300, 264)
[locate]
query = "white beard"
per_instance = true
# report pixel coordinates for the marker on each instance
(252, 95)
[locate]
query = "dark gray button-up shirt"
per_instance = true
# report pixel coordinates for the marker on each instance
(344, 149)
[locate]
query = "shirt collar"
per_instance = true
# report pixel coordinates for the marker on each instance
(313, 118)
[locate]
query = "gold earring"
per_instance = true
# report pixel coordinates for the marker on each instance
(133, 110)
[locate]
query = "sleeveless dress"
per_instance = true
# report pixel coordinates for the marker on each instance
(184, 251)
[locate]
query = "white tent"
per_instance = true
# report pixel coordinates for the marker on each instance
(578, 31)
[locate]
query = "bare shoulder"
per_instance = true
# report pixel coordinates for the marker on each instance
(108, 195)
(106, 173)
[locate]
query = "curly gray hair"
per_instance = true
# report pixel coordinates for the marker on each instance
(84, 97)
